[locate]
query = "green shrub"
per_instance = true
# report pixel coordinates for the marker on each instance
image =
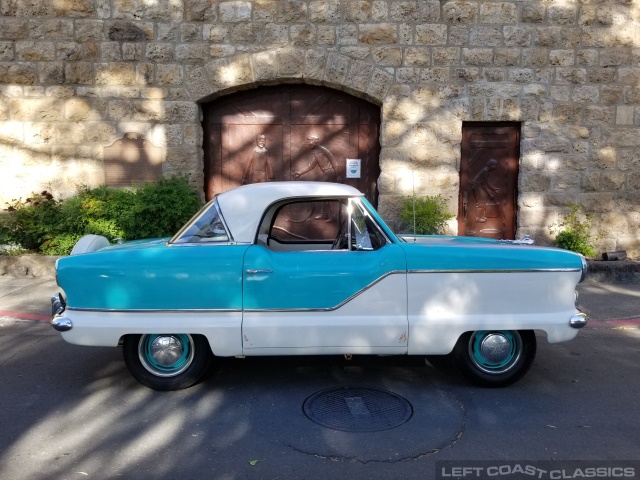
(431, 214)
(573, 232)
(50, 226)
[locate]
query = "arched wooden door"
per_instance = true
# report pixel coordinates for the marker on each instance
(291, 132)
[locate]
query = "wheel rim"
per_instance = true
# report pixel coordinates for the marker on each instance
(166, 355)
(495, 352)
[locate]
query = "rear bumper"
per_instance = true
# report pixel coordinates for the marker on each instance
(58, 321)
(578, 320)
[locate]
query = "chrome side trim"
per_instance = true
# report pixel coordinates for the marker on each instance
(156, 310)
(329, 309)
(523, 270)
(578, 320)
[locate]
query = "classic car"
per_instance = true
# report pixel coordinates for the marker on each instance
(310, 268)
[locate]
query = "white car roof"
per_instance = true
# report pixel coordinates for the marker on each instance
(242, 207)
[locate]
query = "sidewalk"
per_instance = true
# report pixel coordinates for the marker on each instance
(609, 304)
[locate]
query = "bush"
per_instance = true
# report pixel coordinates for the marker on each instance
(41, 223)
(573, 233)
(431, 214)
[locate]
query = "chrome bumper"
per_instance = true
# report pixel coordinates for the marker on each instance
(578, 320)
(58, 306)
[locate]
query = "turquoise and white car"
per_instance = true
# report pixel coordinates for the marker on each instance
(304, 268)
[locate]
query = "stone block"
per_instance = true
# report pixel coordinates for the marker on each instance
(169, 74)
(191, 32)
(326, 35)
(379, 83)
(302, 35)
(517, 36)
(563, 58)
(315, 63)
(535, 57)
(292, 11)
(89, 30)
(586, 94)
(13, 29)
(218, 33)
(436, 74)
(275, 34)
(29, 51)
(601, 75)
(200, 10)
(431, 34)
(265, 65)
(404, 11)
(235, 11)
(73, 8)
(458, 35)
(624, 115)
(325, 11)
(379, 33)
(533, 12)
(245, 32)
(159, 52)
(565, 14)
(192, 53)
(460, 12)
(498, 12)
(477, 56)
(612, 181)
(346, 34)
(417, 56)
(359, 75)
(615, 57)
(557, 37)
(387, 56)
(357, 11)
(486, 36)
(291, 63)
(597, 115)
(571, 75)
(18, 73)
(446, 55)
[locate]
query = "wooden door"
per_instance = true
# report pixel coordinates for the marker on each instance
(489, 180)
(290, 132)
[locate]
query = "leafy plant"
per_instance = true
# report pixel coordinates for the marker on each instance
(41, 223)
(573, 232)
(431, 214)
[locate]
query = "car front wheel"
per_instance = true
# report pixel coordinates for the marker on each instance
(167, 361)
(495, 358)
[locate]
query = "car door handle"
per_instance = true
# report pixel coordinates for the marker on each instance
(253, 272)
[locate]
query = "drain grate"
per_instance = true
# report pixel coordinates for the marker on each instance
(357, 409)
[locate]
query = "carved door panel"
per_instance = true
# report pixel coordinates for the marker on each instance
(489, 180)
(290, 132)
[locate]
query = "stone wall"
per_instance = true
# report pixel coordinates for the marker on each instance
(75, 75)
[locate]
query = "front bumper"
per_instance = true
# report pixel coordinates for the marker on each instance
(58, 306)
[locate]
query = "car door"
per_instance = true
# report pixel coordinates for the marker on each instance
(339, 289)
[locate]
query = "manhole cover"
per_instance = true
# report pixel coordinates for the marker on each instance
(357, 409)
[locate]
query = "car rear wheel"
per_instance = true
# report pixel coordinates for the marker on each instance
(495, 358)
(167, 361)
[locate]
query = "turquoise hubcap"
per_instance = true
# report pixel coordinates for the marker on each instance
(495, 351)
(166, 355)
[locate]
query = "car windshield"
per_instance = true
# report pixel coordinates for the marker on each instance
(205, 227)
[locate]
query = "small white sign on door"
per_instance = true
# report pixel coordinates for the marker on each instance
(353, 167)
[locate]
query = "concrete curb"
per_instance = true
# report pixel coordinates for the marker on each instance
(621, 271)
(29, 266)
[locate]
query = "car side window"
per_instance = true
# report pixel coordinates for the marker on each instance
(206, 227)
(308, 225)
(364, 233)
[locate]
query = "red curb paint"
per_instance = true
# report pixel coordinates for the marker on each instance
(627, 322)
(25, 316)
